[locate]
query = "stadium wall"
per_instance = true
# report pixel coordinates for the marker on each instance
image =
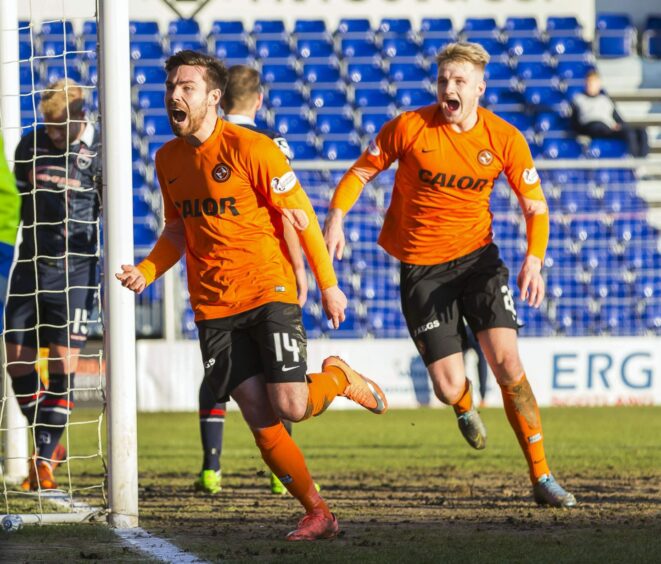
(333, 10)
(563, 372)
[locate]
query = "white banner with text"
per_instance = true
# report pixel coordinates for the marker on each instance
(562, 371)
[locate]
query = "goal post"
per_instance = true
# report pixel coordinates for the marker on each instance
(15, 441)
(115, 98)
(111, 24)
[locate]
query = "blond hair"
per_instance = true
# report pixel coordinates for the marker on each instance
(60, 95)
(463, 52)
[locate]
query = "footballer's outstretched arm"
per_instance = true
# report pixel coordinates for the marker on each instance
(345, 196)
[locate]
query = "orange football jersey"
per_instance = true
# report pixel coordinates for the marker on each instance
(229, 193)
(440, 202)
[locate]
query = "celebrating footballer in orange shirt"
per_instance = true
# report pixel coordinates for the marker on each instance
(439, 226)
(225, 191)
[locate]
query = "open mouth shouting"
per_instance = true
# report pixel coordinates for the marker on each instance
(451, 107)
(177, 115)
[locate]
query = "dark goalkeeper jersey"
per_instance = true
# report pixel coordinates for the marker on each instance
(60, 194)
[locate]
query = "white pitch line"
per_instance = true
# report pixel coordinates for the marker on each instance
(156, 547)
(137, 538)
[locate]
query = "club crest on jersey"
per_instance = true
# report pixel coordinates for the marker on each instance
(485, 157)
(84, 158)
(373, 148)
(530, 176)
(283, 183)
(221, 172)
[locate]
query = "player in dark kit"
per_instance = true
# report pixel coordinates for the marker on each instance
(242, 99)
(52, 287)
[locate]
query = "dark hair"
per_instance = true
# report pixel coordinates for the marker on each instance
(242, 83)
(216, 75)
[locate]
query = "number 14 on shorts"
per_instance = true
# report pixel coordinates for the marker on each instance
(283, 342)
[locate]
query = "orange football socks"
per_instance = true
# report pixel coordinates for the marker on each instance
(323, 388)
(286, 461)
(523, 415)
(465, 401)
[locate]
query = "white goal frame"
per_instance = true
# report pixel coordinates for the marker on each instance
(119, 307)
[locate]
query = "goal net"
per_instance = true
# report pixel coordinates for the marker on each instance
(53, 332)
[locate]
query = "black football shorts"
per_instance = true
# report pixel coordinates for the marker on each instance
(436, 298)
(268, 340)
(42, 294)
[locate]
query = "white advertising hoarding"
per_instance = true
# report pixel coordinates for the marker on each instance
(577, 371)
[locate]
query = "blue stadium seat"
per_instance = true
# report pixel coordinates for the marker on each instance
(91, 75)
(616, 200)
(581, 230)
(573, 201)
(286, 98)
(570, 47)
(231, 49)
(150, 100)
(279, 74)
(179, 44)
(544, 98)
(263, 27)
(573, 70)
(303, 150)
(616, 44)
(399, 26)
(144, 28)
(24, 50)
(371, 122)
(493, 46)
(323, 98)
(400, 47)
(57, 28)
(652, 44)
(291, 123)
(358, 48)
(413, 97)
(431, 26)
(340, 150)
(534, 71)
(561, 148)
(613, 21)
(143, 234)
(227, 27)
(156, 124)
(309, 26)
(475, 26)
(89, 28)
(527, 48)
(184, 27)
(431, 45)
(354, 26)
(315, 48)
(53, 46)
(553, 123)
(498, 72)
(563, 25)
(372, 98)
(520, 26)
(334, 124)
(272, 48)
(146, 50)
(25, 76)
(359, 73)
(521, 121)
(607, 149)
(55, 69)
(149, 74)
(503, 98)
(315, 74)
(615, 35)
(406, 72)
(628, 230)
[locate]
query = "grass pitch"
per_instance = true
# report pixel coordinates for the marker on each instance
(405, 487)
